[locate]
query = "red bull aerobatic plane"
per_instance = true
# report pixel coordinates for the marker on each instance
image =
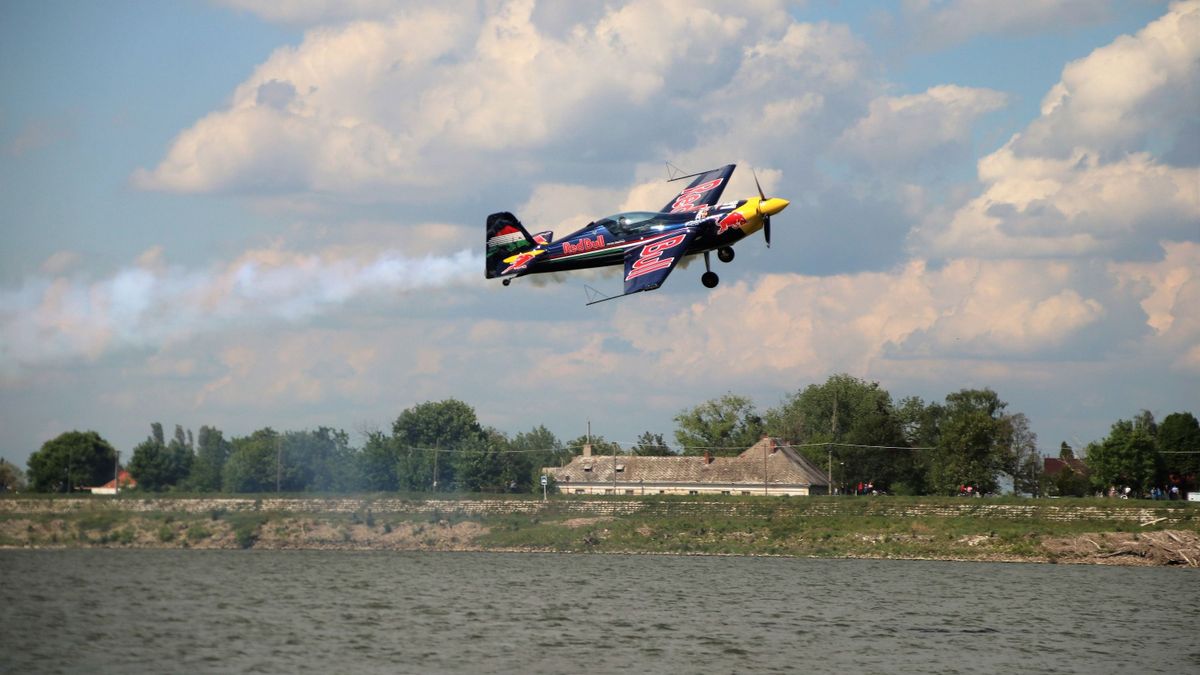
(648, 243)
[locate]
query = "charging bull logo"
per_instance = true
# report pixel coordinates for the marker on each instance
(732, 220)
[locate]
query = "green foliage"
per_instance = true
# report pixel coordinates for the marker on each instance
(972, 447)
(251, 466)
(651, 445)
(847, 410)
(538, 448)
(157, 466)
(421, 432)
(723, 426)
(212, 451)
(1126, 458)
(12, 478)
(71, 460)
(246, 527)
(1179, 443)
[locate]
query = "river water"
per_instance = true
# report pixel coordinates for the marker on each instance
(358, 612)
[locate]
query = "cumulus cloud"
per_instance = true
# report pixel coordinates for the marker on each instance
(940, 23)
(380, 103)
(1088, 176)
(1169, 291)
(50, 320)
(797, 324)
(901, 133)
(1078, 206)
(1139, 90)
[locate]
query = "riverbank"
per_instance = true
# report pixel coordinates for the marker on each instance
(1062, 531)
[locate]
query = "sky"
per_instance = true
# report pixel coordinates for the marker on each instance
(250, 213)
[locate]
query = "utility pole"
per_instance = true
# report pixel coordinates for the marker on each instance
(614, 466)
(830, 449)
(435, 464)
(766, 447)
(117, 474)
(278, 462)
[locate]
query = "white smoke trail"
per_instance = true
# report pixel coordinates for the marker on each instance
(50, 320)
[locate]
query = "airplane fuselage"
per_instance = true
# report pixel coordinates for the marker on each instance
(605, 241)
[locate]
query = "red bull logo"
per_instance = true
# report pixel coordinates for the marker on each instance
(584, 245)
(734, 219)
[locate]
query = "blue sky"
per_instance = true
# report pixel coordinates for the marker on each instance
(244, 213)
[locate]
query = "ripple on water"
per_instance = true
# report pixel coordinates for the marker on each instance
(262, 611)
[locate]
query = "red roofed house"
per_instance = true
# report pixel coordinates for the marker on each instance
(123, 481)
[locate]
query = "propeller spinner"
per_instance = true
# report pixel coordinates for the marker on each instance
(767, 207)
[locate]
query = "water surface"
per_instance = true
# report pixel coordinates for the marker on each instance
(388, 612)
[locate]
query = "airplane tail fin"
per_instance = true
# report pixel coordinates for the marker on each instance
(506, 237)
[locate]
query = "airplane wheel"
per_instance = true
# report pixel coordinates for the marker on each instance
(725, 254)
(506, 282)
(709, 279)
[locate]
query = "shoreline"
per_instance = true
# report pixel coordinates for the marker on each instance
(838, 528)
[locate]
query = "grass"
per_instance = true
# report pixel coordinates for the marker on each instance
(899, 527)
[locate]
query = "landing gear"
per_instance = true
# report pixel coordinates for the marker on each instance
(710, 278)
(725, 254)
(506, 282)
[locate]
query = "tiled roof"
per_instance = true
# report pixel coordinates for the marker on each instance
(783, 466)
(1052, 466)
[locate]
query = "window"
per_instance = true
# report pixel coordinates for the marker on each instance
(724, 492)
(629, 492)
(580, 491)
(587, 467)
(745, 492)
(693, 492)
(620, 468)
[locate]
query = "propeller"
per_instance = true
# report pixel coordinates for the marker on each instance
(766, 218)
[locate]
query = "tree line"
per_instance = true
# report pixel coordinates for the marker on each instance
(846, 425)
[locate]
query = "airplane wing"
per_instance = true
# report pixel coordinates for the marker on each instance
(704, 191)
(647, 266)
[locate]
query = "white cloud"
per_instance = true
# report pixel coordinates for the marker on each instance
(801, 326)
(1139, 89)
(1078, 206)
(1088, 176)
(903, 132)
(939, 23)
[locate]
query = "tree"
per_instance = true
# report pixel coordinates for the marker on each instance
(377, 462)
(12, 478)
(1021, 457)
(972, 442)
(315, 461)
(724, 426)
(212, 451)
(1126, 457)
(422, 432)
(72, 460)
(845, 412)
(157, 466)
(252, 465)
(651, 445)
(1179, 443)
(540, 448)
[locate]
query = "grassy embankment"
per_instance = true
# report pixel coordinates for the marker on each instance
(892, 527)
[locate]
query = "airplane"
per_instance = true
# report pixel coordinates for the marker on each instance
(648, 243)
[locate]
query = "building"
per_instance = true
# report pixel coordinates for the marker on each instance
(123, 481)
(769, 467)
(1053, 466)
